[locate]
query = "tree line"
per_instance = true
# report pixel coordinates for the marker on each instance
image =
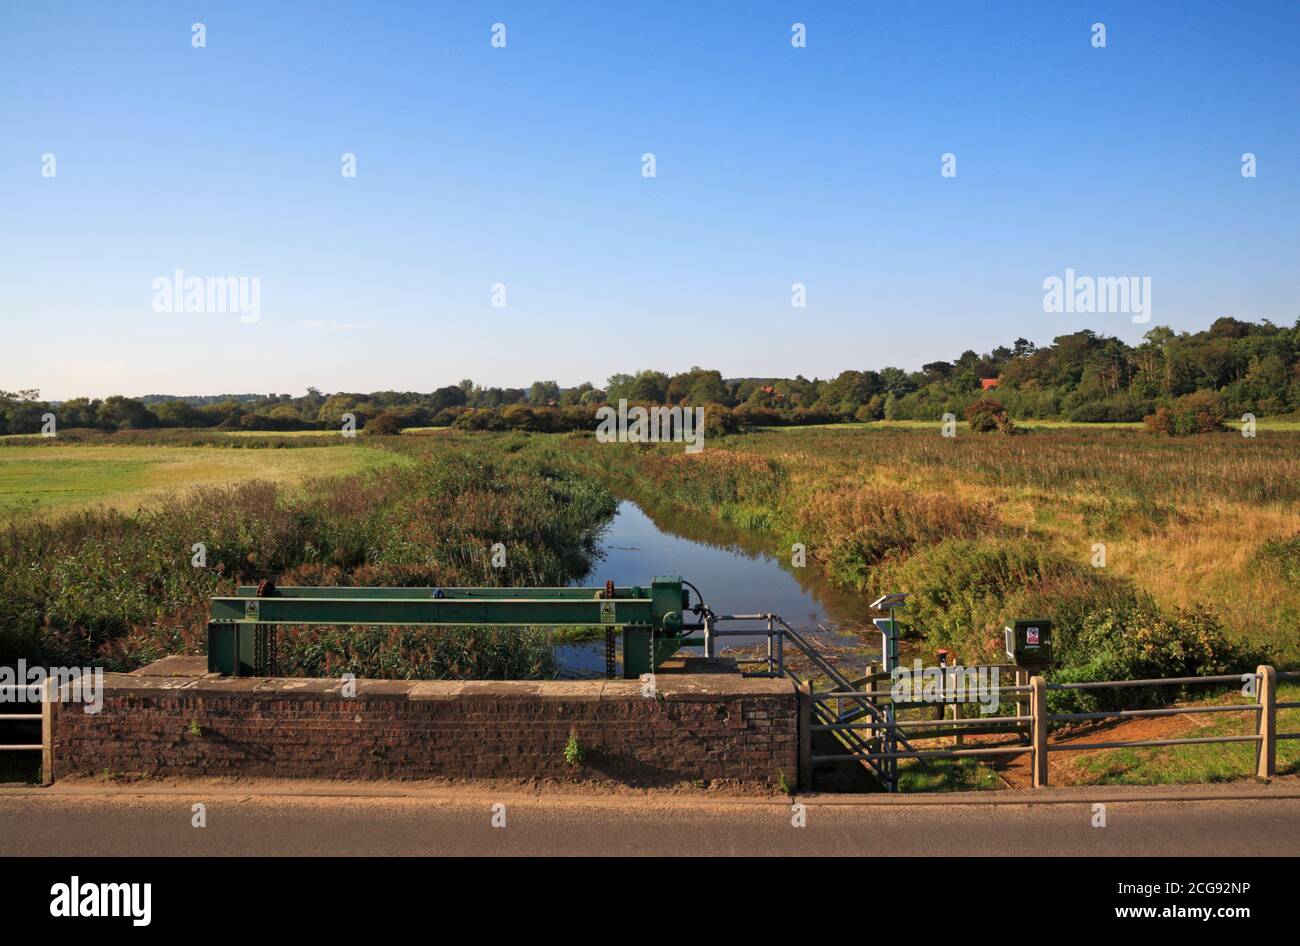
(1232, 368)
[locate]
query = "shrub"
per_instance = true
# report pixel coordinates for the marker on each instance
(1197, 413)
(987, 415)
(1281, 557)
(963, 591)
(383, 425)
(1119, 409)
(751, 415)
(1142, 643)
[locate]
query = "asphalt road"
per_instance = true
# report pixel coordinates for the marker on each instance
(118, 824)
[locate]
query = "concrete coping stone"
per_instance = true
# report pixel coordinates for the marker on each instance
(177, 665)
(125, 684)
(310, 687)
(711, 687)
(672, 688)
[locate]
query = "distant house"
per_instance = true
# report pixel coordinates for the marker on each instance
(987, 383)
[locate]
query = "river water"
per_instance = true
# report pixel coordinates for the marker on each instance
(735, 575)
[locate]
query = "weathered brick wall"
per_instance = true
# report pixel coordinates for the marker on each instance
(697, 727)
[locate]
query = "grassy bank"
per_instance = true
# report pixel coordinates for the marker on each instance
(117, 588)
(983, 528)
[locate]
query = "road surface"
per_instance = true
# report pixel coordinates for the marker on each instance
(108, 823)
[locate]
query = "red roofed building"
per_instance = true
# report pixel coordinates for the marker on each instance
(987, 383)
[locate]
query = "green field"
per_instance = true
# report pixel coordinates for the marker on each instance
(55, 479)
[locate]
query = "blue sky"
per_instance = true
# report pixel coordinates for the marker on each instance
(522, 166)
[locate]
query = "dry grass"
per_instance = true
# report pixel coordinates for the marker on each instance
(1182, 519)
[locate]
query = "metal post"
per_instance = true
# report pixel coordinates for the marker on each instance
(891, 662)
(708, 635)
(805, 736)
(1266, 748)
(771, 656)
(780, 652)
(1023, 707)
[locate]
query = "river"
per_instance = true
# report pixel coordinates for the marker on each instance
(733, 572)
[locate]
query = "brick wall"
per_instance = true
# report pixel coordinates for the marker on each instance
(704, 726)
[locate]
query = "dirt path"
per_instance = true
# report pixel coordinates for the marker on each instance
(1068, 768)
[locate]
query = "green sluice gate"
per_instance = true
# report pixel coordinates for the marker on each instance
(653, 618)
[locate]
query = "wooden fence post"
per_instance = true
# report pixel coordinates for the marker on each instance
(1266, 748)
(48, 695)
(1038, 709)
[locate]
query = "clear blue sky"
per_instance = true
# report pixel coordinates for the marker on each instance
(522, 166)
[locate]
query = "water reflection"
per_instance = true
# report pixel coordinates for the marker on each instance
(735, 574)
(733, 570)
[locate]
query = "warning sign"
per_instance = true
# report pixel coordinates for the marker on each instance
(1031, 637)
(251, 608)
(607, 612)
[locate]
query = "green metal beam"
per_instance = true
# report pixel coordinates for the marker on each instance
(445, 612)
(651, 616)
(422, 594)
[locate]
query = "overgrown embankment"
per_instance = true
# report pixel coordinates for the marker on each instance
(1090, 530)
(119, 589)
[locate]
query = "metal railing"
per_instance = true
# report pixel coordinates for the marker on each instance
(862, 717)
(1038, 745)
(44, 717)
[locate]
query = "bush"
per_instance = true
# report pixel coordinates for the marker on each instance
(987, 415)
(384, 425)
(1281, 557)
(1197, 413)
(1112, 410)
(806, 416)
(1141, 643)
(751, 415)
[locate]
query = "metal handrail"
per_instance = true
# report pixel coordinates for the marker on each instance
(836, 677)
(837, 694)
(934, 723)
(1168, 711)
(1146, 743)
(932, 753)
(864, 700)
(1164, 681)
(44, 689)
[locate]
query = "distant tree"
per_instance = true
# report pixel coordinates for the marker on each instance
(124, 413)
(542, 393)
(446, 397)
